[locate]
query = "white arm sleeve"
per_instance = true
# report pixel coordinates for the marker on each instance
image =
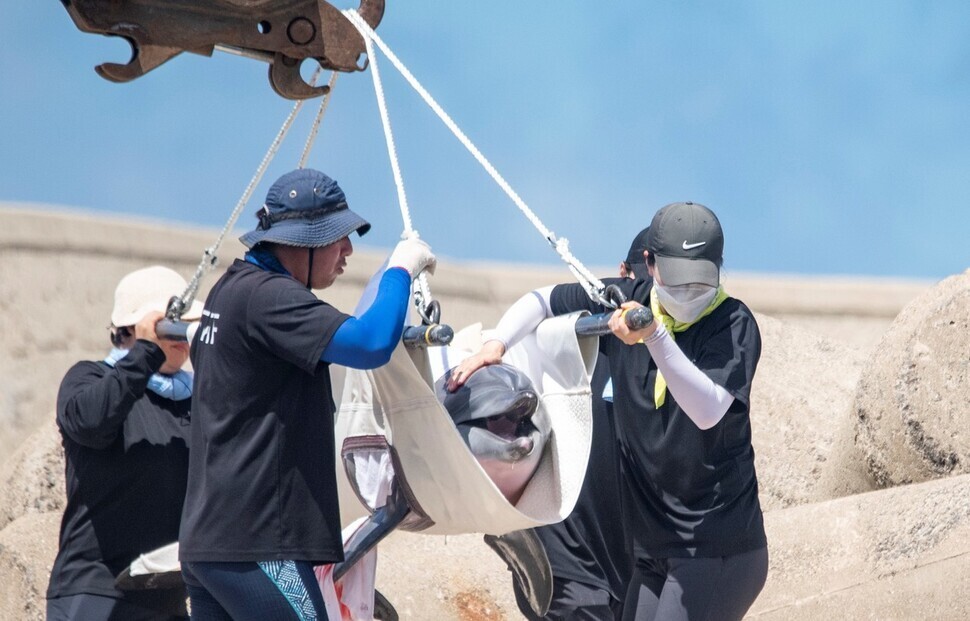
(522, 317)
(702, 400)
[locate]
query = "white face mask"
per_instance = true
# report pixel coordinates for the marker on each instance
(685, 303)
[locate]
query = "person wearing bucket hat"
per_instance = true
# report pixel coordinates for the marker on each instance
(261, 506)
(124, 424)
(681, 400)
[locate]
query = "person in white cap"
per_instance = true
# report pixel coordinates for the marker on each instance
(681, 398)
(124, 423)
(261, 507)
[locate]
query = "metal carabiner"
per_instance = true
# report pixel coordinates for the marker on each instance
(612, 296)
(430, 313)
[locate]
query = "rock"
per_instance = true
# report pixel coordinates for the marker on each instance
(28, 546)
(911, 406)
(32, 479)
(900, 553)
(880, 555)
(800, 403)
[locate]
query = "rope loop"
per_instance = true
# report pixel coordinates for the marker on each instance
(614, 295)
(430, 313)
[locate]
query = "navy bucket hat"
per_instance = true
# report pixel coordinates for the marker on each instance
(305, 208)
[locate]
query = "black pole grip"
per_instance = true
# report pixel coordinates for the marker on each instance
(427, 336)
(639, 318)
(598, 325)
(414, 336)
(173, 330)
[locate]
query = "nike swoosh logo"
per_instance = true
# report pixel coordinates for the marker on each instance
(687, 246)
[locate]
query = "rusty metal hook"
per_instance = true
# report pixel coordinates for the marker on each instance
(286, 35)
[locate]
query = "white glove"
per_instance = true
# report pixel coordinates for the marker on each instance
(413, 255)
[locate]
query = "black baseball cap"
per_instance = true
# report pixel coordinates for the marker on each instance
(634, 257)
(687, 241)
(639, 244)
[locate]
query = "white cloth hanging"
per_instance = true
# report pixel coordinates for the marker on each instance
(161, 560)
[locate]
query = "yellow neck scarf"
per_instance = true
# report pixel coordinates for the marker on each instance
(673, 326)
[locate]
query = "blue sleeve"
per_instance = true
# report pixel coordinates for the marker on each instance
(366, 342)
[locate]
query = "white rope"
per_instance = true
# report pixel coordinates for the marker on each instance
(315, 128)
(210, 255)
(423, 293)
(592, 284)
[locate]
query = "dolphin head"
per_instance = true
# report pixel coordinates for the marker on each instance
(493, 413)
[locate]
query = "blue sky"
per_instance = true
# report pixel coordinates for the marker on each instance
(830, 137)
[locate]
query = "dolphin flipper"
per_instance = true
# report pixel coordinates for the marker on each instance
(379, 525)
(383, 610)
(523, 552)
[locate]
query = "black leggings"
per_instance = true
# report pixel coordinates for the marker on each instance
(695, 589)
(572, 601)
(138, 606)
(268, 591)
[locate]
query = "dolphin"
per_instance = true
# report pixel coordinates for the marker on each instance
(493, 413)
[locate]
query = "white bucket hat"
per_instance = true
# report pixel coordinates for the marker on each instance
(149, 289)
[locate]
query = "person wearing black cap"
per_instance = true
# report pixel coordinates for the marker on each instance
(261, 506)
(587, 551)
(681, 397)
(635, 265)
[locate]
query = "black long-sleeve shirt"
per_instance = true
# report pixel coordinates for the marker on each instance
(126, 466)
(589, 546)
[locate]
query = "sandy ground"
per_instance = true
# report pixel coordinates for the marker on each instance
(57, 274)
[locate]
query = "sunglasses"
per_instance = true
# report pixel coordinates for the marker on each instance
(119, 335)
